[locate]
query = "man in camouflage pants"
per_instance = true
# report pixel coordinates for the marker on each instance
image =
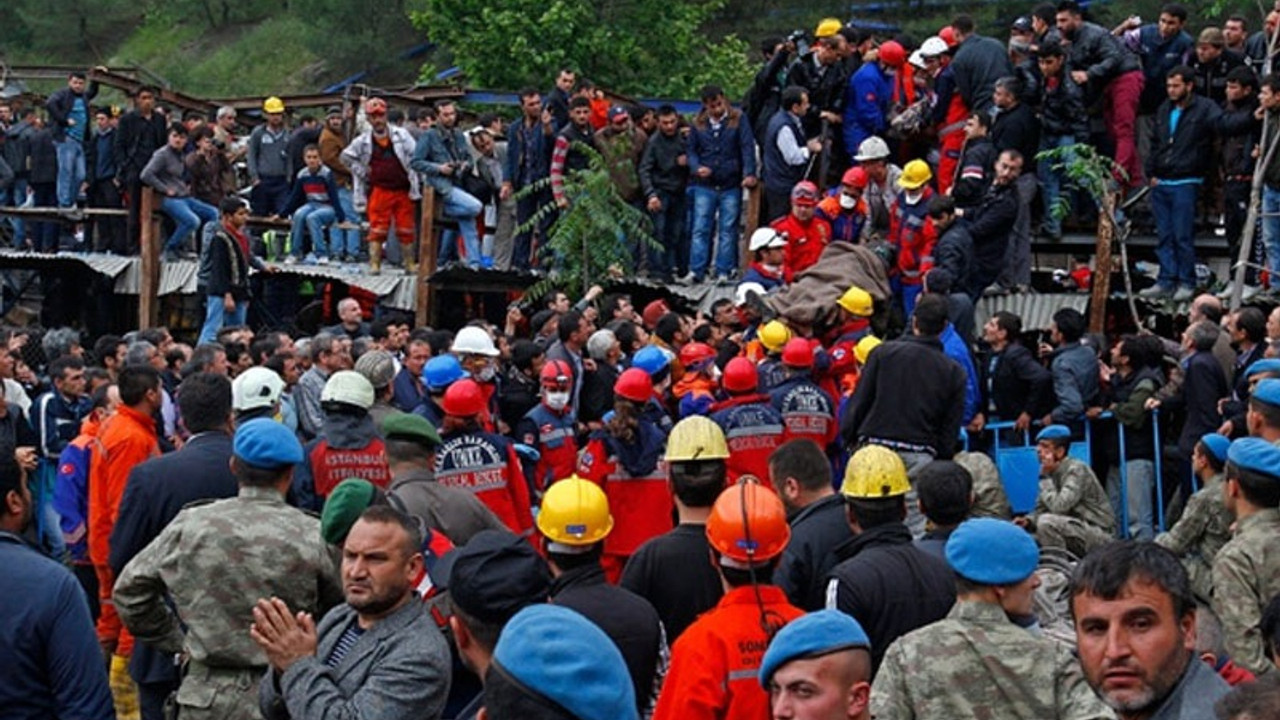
(216, 561)
(1072, 510)
(976, 663)
(1204, 527)
(1246, 572)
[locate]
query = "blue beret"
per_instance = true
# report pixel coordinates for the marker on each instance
(813, 635)
(1054, 432)
(265, 443)
(1257, 455)
(1265, 365)
(1268, 391)
(564, 657)
(992, 552)
(1216, 445)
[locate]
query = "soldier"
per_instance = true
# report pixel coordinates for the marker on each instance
(1007, 672)
(215, 561)
(819, 667)
(1072, 510)
(1246, 572)
(1205, 525)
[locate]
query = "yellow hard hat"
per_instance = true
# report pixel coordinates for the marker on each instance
(273, 104)
(828, 27)
(914, 175)
(863, 349)
(774, 335)
(575, 512)
(875, 472)
(696, 437)
(857, 301)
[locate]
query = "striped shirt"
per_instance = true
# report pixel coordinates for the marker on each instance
(348, 640)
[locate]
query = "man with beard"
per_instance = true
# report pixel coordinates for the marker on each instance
(379, 655)
(1135, 621)
(55, 664)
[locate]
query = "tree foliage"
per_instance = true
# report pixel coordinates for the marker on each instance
(650, 47)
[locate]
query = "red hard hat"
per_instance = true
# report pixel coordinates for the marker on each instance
(463, 399)
(797, 353)
(892, 54)
(556, 373)
(855, 176)
(635, 385)
(948, 35)
(740, 376)
(695, 352)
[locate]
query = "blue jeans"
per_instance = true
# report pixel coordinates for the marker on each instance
(70, 170)
(216, 317)
(188, 214)
(723, 207)
(1174, 208)
(1141, 478)
(16, 196)
(346, 241)
(314, 217)
(461, 206)
(1051, 180)
(1271, 227)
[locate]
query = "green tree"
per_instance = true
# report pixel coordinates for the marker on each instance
(650, 47)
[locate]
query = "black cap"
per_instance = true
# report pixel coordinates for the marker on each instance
(494, 576)
(1023, 24)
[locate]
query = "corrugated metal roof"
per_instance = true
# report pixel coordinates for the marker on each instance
(1036, 310)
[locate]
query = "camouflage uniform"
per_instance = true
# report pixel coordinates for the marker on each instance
(216, 560)
(1004, 671)
(1204, 528)
(1072, 510)
(1246, 575)
(989, 499)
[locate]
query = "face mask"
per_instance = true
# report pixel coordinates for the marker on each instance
(715, 373)
(486, 375)
(848, 202)
(913, 197)
(557, 400)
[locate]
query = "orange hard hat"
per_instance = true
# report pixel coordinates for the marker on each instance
(748, 524)
(740, 376)
(463, 399)
(855, 176)
(556, 373)
(695, 352)
(797, 353)
(635, 385)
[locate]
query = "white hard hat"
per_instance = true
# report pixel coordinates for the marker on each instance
(933, 47)
(472, 340)
(766, 237)
(873, 148)
(255, 388)
(350, 387)
(740, 294)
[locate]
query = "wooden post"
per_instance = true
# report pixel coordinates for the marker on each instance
(149, 275)
(426, 257)
(1102, 264)
(752, 210)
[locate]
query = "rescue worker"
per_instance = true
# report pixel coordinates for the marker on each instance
(774, 335)
(696, 389)
(883, 579)
(551, 427)
(349, 445)
(752, 425)
(714, 663)
(807, 234)
(483, 462)
(1005, 671)
(768, 249)
(625, 458)
(846, 211)
(671, 571)
(474, 348)
(1072, 510)
(438, 374)
(818, 667)
(1246, 572)
(1205, 525)
(807, 410)
(574, 521)
(856, 307)
(657, 365)
(911, 233)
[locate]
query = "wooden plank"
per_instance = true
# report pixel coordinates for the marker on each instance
(58, 214)
(424, 307)
(752, 212)
(149, 280)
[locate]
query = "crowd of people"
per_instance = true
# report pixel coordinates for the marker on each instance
(776, 507)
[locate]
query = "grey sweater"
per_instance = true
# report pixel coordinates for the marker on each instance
(164, 172)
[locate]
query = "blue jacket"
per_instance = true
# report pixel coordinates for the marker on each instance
(729, 150)
(71, 499)
(1075, 381)
(56, 419)
(437, 147)
(53, 664)
(954, 347)
(407, 392)
(866, 104)
(528, 154)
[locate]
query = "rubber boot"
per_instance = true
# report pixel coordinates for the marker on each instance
(375, 258)
(124, 694)
(407, 259)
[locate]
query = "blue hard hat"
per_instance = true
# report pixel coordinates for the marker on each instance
(442, 371)
(650, 359)
(813, 635)
(992, 552)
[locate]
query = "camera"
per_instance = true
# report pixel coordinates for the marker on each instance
(800, 40)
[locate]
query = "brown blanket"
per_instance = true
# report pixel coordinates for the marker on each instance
(811, 297)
